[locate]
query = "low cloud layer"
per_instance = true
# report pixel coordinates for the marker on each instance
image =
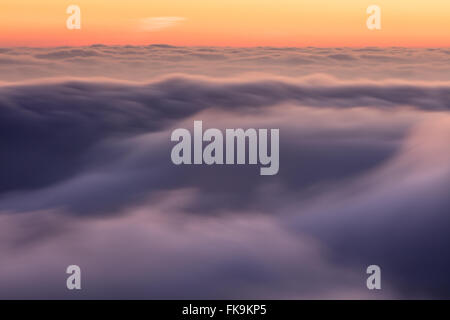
(87, 179)
(144, 63)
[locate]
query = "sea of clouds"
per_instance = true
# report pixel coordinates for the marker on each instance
(86, 176)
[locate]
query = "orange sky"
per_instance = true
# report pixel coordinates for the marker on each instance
(416, 23)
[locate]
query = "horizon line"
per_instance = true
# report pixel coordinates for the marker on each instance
(222, 46)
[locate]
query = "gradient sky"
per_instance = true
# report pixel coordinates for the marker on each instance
(415, 23)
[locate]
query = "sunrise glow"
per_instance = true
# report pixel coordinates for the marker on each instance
(323, 23)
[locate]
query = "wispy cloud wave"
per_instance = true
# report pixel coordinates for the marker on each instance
(364, 174)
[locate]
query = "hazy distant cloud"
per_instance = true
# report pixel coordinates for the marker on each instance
(143, 63)
(159, 23)
(89, 114)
